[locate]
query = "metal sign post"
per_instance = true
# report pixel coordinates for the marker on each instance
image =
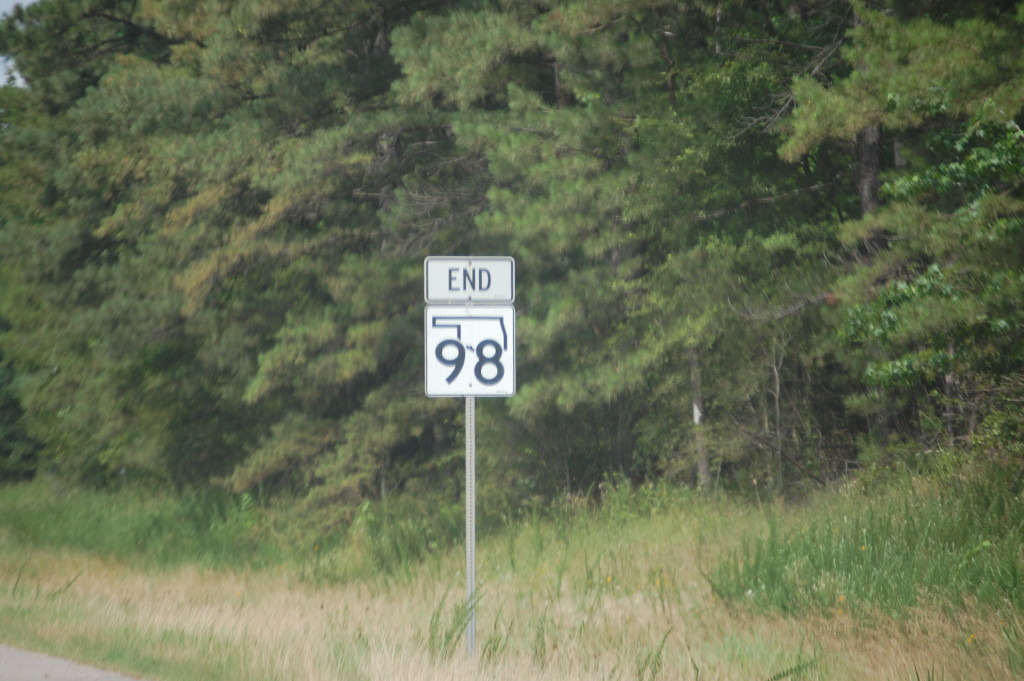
(469, 330)
(471, 525)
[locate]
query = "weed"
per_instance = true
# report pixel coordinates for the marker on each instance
(1013, 635)
(539, 642)
(794, 671)
(447, 626)
(649, 664)
(56, 593)
(17, 579)
(929, 675)
(497, 642)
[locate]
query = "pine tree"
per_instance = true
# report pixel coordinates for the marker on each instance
(932, 272)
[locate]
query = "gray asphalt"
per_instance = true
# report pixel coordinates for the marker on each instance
(21, 665)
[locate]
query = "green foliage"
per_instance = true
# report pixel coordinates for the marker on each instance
(908, 69)
(398, 537)
(64, 47)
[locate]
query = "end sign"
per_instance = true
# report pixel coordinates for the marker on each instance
(450, 280)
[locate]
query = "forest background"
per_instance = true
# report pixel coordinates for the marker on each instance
(759, 244)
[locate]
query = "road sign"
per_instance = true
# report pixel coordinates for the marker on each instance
(454, 280)
(470, 350)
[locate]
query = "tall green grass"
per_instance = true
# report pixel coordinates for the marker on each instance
(157, 529)
(393, 537)
(397, 536)
(956, 541)
(616, 571)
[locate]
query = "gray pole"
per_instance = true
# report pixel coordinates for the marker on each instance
(471, 525)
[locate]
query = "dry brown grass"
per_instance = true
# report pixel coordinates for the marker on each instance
(559, 614)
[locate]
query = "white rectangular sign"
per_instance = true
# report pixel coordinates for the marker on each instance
(454, 280)
(470, 350)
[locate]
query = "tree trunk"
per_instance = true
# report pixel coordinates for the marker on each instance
(869, 146)
(703, 463)
(777, 408)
